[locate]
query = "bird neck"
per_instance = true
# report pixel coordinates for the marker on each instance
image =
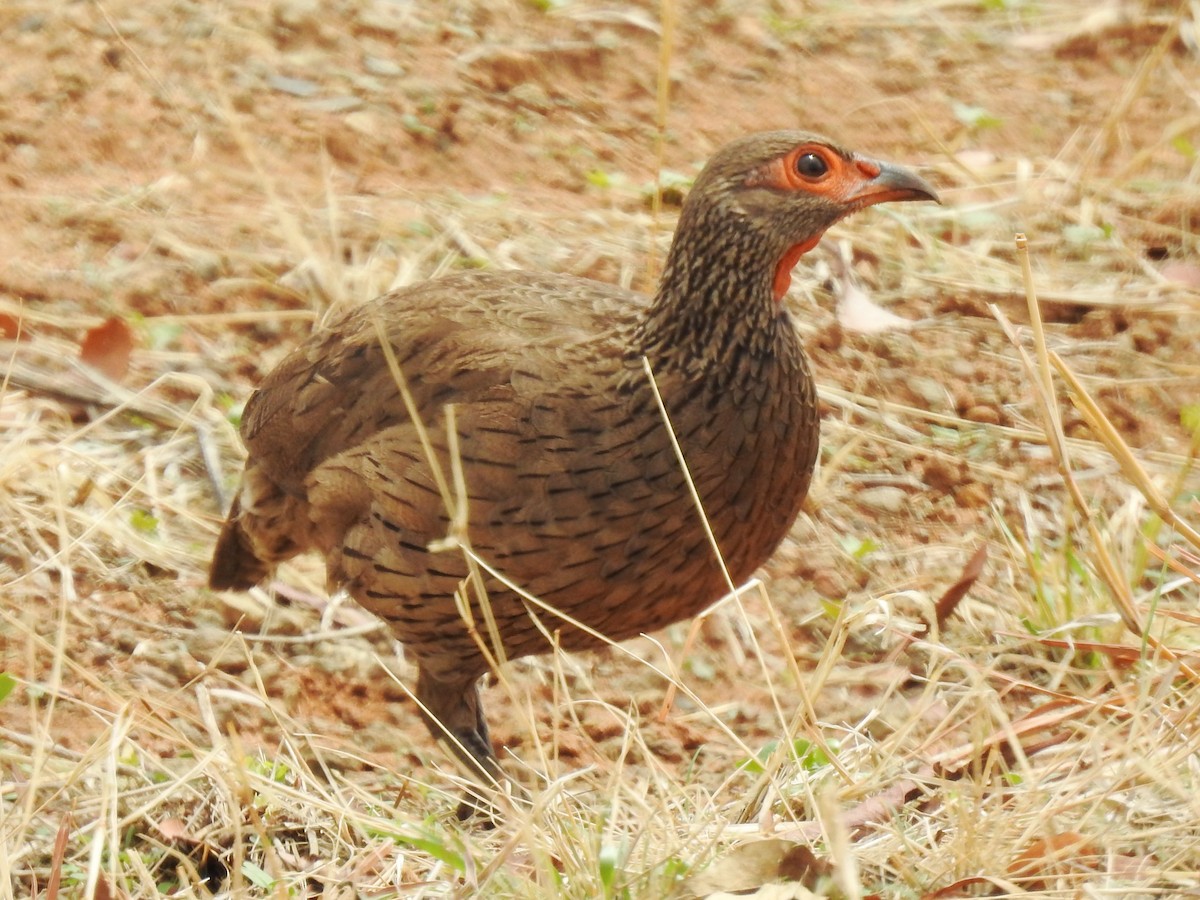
(715, 307)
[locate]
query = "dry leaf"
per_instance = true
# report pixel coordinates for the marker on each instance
(107, 347)
(1055, 854)
(757, 865)
(174, 830)
(10, 328)
(949, 601)
(857, 312)
(855, 309)
(56, 859)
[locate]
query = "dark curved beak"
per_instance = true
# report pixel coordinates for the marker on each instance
(887, 183)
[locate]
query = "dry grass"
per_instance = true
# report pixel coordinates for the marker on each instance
(1042, 738)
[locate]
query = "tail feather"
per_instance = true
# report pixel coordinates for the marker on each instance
(234, 566)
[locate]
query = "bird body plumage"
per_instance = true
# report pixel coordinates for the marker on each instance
(574, 490)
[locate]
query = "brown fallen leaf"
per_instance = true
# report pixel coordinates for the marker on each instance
(759, 865)
(175, 830)
(949, 601)
(1055, 854)
(10, 328)
(107, 348)
(59, 854)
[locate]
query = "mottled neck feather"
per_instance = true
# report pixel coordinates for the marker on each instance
(714, 310)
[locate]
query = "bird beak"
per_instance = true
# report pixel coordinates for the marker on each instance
(886, 183)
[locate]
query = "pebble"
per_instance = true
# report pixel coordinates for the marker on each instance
(931, 391)
(961, 367)
(25, 155)
(297, 87)
(884, 498)
(365, 123)
(343, 103)
(942, 476)
(298, 15)
(385, 68)
(984, 415)
(387, 18)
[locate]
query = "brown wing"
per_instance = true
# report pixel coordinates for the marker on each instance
(322, 421)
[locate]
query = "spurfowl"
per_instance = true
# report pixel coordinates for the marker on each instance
(574, 489)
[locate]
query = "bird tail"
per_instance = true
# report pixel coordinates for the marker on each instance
(235, 566)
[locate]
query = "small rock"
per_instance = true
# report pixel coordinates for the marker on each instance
(387, 18)
(931, 392)
(301, 18)
(961, 367)
(943, 476)
(984, 415)
(365, 123)
(340, 104)
(884, 498)
(25, 155)
(297, 87)
(385, 68)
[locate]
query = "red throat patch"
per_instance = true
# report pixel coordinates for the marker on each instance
(783, 271)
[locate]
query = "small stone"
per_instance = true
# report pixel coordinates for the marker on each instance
(984, 415)
(297, 87)
(25, 155)
(961, 367)
(343, 103)
(943, 476)
(385, 68)
(931, 392)
(299, 16)
(364, 122)
(884, 498)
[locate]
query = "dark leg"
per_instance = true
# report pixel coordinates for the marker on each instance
(454, 715)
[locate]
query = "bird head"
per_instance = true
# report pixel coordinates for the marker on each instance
(784, 189)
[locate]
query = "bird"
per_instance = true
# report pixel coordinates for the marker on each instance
(584, 421)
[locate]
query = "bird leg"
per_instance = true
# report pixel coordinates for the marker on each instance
(453, 712)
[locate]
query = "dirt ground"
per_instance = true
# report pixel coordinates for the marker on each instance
(220, 175)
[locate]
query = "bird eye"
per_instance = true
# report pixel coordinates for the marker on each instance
(811, 165)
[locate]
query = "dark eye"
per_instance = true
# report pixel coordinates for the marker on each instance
(811, 165)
